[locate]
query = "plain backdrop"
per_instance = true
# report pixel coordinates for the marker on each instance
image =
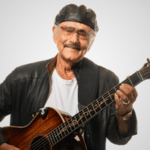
(122, 44)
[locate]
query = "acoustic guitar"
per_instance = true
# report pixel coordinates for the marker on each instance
(57, 130)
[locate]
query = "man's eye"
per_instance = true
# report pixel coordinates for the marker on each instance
(82, 33)
(68, 30)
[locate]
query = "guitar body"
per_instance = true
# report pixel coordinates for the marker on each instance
(34, 135)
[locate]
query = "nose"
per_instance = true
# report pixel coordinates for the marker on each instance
(74, 38)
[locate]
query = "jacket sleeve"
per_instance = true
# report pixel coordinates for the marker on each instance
(5, 102)
(112, 130)
(113, 133)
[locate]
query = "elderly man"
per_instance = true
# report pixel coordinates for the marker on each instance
(69, 82)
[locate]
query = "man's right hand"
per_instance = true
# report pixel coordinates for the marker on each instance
(6, 146)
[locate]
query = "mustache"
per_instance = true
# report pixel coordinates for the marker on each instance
(72, 45)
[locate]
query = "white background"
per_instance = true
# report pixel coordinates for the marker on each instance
(122, 44)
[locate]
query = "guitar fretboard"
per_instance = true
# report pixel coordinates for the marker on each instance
(90, 111)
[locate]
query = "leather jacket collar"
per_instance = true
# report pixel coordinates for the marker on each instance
(76, 68)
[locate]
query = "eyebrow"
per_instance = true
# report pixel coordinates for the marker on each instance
(81, 30)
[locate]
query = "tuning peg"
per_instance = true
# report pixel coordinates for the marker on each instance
(148, 64)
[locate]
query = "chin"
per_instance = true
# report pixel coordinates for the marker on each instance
(72, 59)
(72, 55)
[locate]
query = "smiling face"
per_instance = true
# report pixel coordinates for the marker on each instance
(73, 40)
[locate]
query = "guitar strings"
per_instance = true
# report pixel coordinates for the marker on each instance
(38, 143)
(42, 140)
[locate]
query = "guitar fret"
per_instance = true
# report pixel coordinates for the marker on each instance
(138, 73)
(71, 124)
(68, 126)
(89, 111)
(130, 81)
(86, 112)
(54, 135)
(103, 103)
(103, 98)
(92, 112)
(80, 120)
(50, 138)
(100, 99)
(110, 96)
(135, 78)
(96, 106)
(77, 118)
(93, 107)
(117, 86)
(62, 130)
(82, 116)
(126, 81)
(59, 133)
(75, 121)
(65, 128)
(115, 89)
(107, 97)
(112, 92)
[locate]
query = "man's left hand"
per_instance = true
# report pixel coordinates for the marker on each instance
(125, 97)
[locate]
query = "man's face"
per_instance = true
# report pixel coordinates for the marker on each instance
(73, 40)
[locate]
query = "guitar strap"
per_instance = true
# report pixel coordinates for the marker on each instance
(88, 81)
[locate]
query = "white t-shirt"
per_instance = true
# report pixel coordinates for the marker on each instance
(63, 94)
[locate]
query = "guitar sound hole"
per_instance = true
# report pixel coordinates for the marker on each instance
(40, 143)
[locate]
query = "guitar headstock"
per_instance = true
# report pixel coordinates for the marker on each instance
(145, 71)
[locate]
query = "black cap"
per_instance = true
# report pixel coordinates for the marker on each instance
(76, 13)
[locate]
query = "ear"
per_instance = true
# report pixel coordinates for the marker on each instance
(54, 34)
(90, 43)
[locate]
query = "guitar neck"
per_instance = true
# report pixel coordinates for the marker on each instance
(90, 111)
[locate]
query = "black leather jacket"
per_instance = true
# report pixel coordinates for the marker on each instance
(26, 90)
